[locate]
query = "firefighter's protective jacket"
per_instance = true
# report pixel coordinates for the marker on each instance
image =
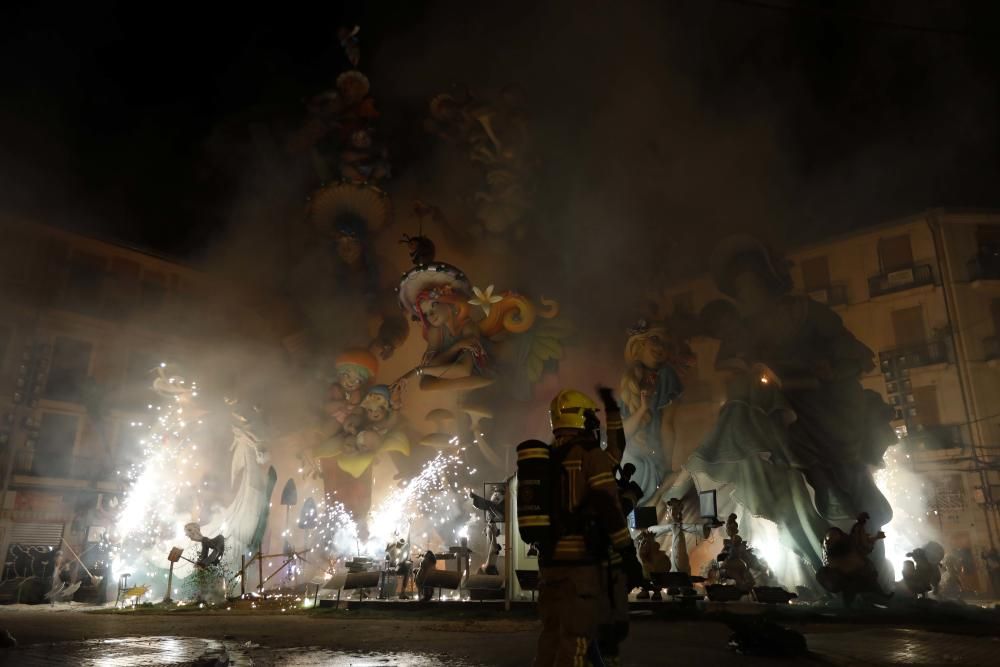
(588, 495)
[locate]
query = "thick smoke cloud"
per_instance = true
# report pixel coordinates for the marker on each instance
(663, 126)
(659, 127)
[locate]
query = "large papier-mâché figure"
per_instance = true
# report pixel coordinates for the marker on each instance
(463, 326)
(649, 388)
(337, 279)
(798, 437)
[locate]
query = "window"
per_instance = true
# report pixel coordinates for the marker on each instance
(153, 290)
(69, 369)
(86, 279)
(56, 441)
(815, 273)
(123, 288)
(925, 399)
(50, 280)
(949, 494)
(139, 375)
(895, 253)
(988, 238)
(908, 325)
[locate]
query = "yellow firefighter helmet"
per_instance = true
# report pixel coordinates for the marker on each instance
(568, 409)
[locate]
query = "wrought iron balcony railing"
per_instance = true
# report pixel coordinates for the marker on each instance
(914, 356)
(898, 281)
(29, 463)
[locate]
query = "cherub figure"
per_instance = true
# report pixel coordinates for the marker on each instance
(354, 370)
(338, 132)
(381, 417)
(347, 460)
(362, 159)
(334, 114)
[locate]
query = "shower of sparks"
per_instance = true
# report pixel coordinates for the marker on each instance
(428, 510)
(149, 524)
(164, 492)
(905, 492)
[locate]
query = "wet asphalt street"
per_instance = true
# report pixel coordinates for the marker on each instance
(264, 639)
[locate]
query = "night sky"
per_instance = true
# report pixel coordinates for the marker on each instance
(111, 113)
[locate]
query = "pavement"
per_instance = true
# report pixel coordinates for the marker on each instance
(358, 639)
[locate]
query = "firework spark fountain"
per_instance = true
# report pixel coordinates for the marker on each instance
(149, 522)
(163, 494)
(904, 490)
(424, 508)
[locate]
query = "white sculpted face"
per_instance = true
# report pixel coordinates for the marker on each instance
(350, 379)
(376, 407)
(193, 532)
(435, 312)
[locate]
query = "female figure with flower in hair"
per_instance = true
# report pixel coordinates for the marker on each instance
(459, 322)
(454, 344)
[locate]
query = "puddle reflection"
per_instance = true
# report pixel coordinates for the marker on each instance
(164, 651)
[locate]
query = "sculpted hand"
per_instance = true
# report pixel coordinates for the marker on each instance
(643, 402)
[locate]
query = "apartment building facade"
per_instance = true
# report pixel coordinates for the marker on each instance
(85, 324)
(924, 294)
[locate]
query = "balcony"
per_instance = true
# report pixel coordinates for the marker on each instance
(832, 295)
(984, 266)
(901, 280)
(914, 356)
(932, 438)
(68, 467)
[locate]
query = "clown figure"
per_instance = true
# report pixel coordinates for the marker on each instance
(348, 465)
(355, 370)
(381, 418)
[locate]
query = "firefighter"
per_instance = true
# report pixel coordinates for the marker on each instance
(587, 526)
(616, 579)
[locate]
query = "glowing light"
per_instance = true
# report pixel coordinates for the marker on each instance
(904, 491)
(429, 500)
